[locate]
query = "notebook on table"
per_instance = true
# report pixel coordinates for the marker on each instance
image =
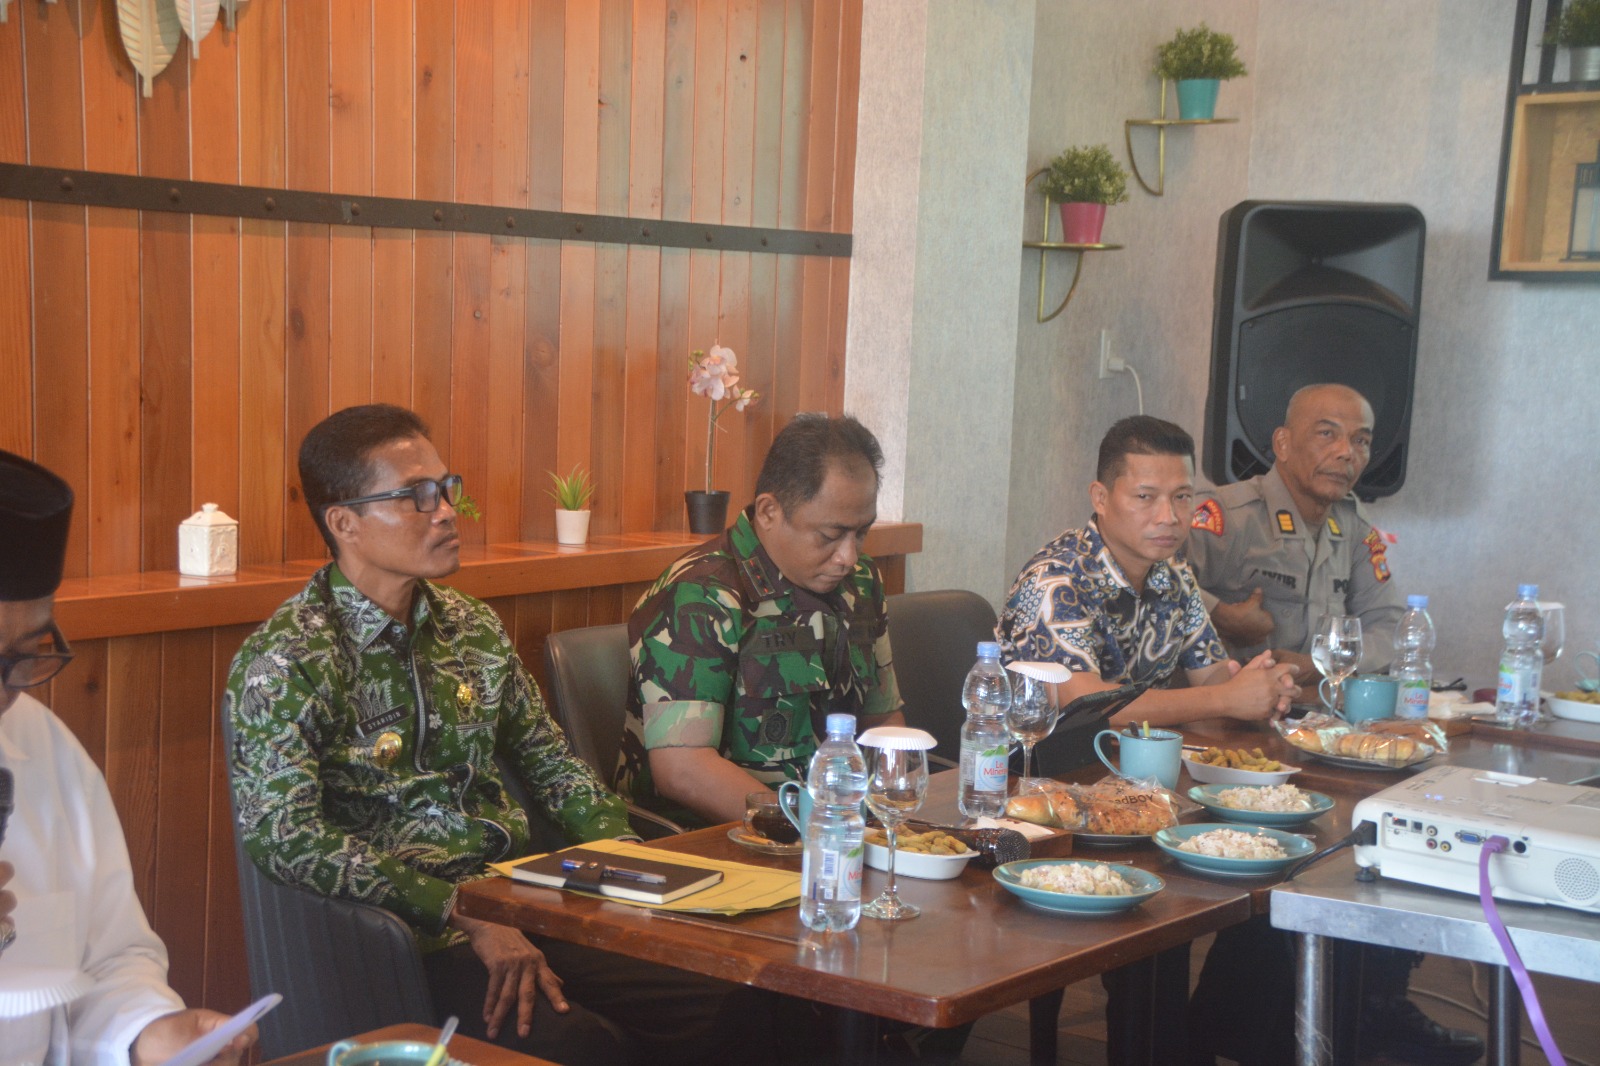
(629, 877)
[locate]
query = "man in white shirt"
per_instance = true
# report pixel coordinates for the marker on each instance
(83, 978)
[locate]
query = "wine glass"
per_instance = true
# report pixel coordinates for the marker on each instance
(896, 788)
(1032, 714)
(1336, 649)
(1555, 631)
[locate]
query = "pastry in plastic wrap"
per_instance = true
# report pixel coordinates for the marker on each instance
(1395, 746)
(1418, 729)
(1113, 806)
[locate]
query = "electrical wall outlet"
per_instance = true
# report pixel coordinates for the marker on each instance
(1109, 364)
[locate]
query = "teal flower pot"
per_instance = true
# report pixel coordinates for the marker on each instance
(1197, 98)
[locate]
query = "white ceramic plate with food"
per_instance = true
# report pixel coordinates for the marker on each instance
(1210, 774)
(918, 864)
(1574, 710)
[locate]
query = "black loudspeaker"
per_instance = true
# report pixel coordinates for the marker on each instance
(1307, 293)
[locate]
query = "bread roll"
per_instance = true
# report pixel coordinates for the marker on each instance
(1032, 807)
(1377, 747)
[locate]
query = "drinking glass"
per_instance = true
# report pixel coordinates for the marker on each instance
(1336, 649)
(1555, 631)
(896, 788)
(1032, 714)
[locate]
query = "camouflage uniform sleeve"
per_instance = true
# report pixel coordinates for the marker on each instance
(280, 727)
(568, 789)
(884, 698)
(685, 665)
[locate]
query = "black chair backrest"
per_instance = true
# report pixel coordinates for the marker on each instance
(934, 638)
(589, 672)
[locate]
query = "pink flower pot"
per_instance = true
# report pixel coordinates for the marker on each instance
(1082, 223)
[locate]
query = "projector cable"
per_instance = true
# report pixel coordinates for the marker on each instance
(1365, 833)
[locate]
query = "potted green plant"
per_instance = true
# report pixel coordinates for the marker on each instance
(1578, 31)
(1198, 60)
(714, 375)
(1085, 180)
(572, 495)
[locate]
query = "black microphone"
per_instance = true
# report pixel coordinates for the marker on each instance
(5, 801)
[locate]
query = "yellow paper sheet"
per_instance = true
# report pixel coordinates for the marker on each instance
(743, 888)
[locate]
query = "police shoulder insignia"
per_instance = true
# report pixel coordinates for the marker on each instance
(1286, 521)
(1377, 554)
(1333, 526)
(1208, 516)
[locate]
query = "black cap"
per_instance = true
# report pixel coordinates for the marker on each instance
(35, 513)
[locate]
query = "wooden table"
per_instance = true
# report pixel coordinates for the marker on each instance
(463, 1048)
(976, 948)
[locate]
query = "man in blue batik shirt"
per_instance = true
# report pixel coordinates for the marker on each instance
(1109, 602)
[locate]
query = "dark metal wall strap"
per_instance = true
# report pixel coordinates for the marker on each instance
(92, 188)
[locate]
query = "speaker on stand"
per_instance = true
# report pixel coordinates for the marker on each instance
(1311, 292)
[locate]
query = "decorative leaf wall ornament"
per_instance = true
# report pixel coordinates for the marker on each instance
(196, 17)
(231, 9)
(150, 34)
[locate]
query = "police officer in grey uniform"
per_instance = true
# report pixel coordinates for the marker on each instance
(1273, 555)
(1278, 552)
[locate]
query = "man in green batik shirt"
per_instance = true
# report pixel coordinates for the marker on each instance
(745, 645)
(367, 714)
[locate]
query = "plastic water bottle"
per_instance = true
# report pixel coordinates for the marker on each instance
(1413, 658)
(985, 744)
(830, 872)
(1522, 662)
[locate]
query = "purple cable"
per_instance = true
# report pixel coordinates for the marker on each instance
(1519, 972)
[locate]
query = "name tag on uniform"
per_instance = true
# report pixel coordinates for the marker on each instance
(786, 638)
(381, 721)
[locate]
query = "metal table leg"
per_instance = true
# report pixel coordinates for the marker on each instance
(1505, 1018)
(1311, 1015)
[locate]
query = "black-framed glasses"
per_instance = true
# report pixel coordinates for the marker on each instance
(26, 671)
(424, 494)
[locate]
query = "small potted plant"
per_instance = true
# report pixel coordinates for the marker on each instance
(1198, 60)
(714, 375)
(1578, 31)
(1085, 180)
(572, 495)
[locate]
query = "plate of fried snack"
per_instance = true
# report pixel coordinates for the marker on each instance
(1236, 766)
(1112, 811)
(934, 855)
(1384, 744)
(1577, 705)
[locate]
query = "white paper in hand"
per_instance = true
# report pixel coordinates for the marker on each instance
(205, 1049)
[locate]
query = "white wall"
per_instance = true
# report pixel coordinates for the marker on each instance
(1359, 100)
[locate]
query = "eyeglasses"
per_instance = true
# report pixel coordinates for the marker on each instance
(26, 671)
(425, 494)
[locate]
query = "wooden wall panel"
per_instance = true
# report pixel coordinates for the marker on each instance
(159, 361)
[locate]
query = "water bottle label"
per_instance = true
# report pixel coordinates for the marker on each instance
(850, 884)
(989, 768)
(826, 886)
(1413, 700)
(1510, 690)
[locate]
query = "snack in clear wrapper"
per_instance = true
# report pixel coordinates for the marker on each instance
(1378, 742)
(1114, 806)
(1418, 729)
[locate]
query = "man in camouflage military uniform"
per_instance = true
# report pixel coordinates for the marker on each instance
(1273, 555)
(745, 645)
(1276, 553)
(367, 714)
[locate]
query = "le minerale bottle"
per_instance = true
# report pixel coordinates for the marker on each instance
(1522, 662)
(830, 871)
(985, 744)
(1413, 658)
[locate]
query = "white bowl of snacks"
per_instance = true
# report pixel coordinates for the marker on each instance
(1236, 766)
(1576, 705)
(932, 855)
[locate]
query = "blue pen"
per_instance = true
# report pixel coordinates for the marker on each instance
(621, 873)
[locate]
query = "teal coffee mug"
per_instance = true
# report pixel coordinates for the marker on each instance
(794, 800)
(1369, 696)
(1158, 755)
(388, 1053)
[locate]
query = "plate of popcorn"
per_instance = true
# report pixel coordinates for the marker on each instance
(1233, 850)
(1279, 806)
(1077, 886)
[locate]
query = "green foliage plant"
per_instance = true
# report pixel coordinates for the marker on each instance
(468, 508)
(1578, 27)
(573, 492)
(1086, 174)
(1199, 53)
